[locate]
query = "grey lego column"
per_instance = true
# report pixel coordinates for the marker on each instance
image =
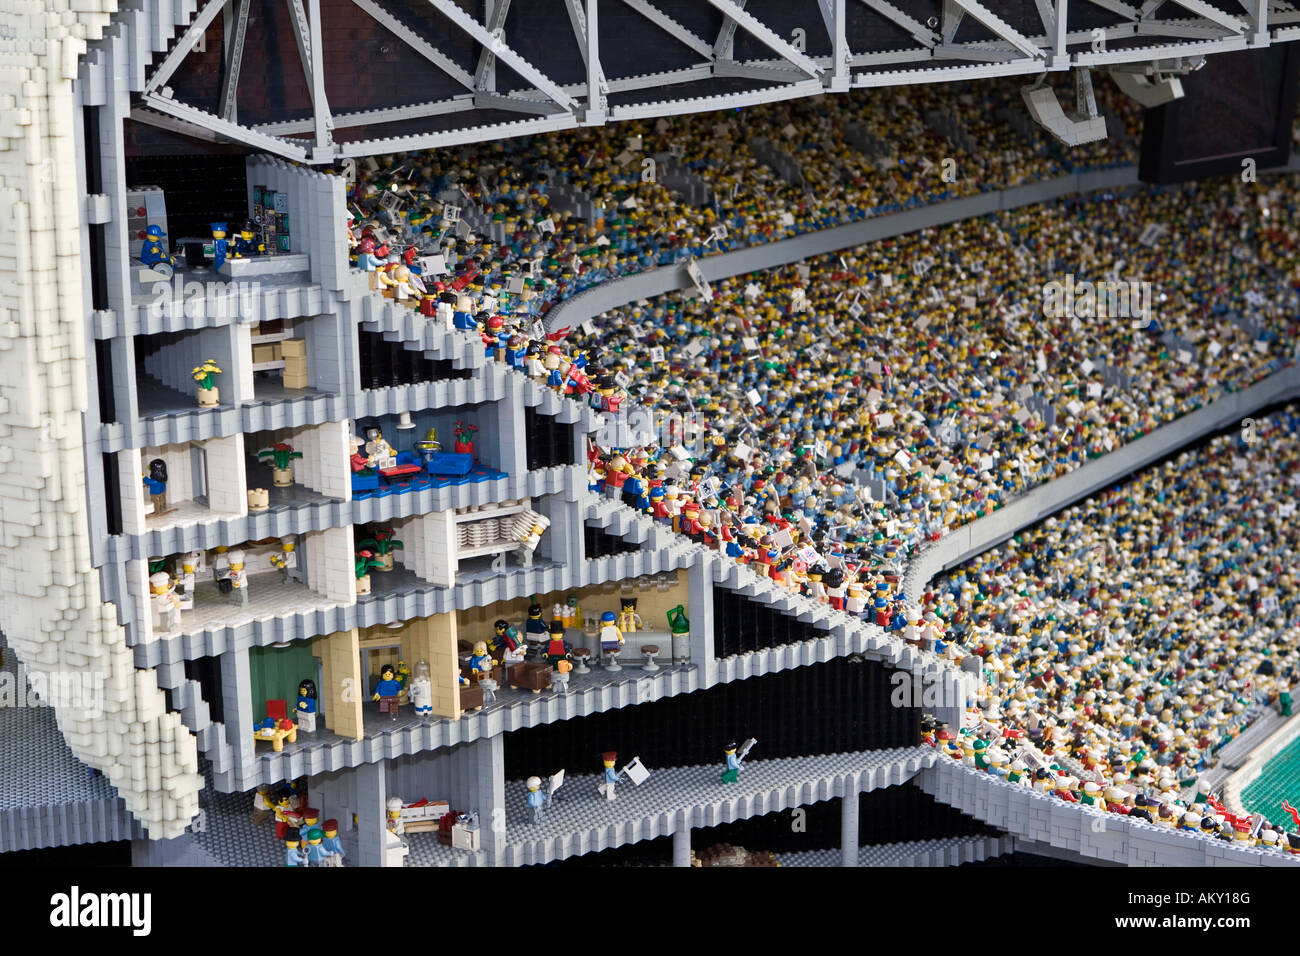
(563, 540)
(237, 708)
(849, 830)
(229, 340)
(699, 584)
(510, 437)
(483, 787)
(126, 406)
(329, 344)
(682, 839)
(372, 796)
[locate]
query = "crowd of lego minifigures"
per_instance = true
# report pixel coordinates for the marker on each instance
(834, 416)
(1125, 642)
(307, 841)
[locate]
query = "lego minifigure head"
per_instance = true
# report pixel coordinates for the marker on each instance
(218, 230)
(247, 230)
(315, 836)
(557, 628)
(607, 617)
(729, 748)
(609, 758)
(160, 582)
(500, 627)
(533, 783)
(534, 610)
(331, 828)
(288, 544)
(394, 806)
(307, 689)
(387, 673)
(158, 470)
(628, 604)
(374, 432)
(291, 839)
(236, 559)
(154, 232)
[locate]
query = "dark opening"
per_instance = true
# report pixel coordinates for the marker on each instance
(838, 706)
(742, 625)
(112, 494)
(199, 190)
(600, 543)
(549, 442)
(104, 375)
(90, 140)
(385, 363)
(207, 671)
(98, 268)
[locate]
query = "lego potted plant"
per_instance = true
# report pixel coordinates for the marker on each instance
(365, 560)
(203, 375)
(464, 443)
(381, 545)
(282, 454)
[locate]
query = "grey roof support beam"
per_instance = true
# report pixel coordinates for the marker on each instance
(503, 52)
(232, 132)
(724, 45)
(670, 26)
(320, 104)
(1207, 12)
(765, 36)
(236, 30)
(485, 74)
(417, 43)
(988, 19)
(181, 48)
(919, 31)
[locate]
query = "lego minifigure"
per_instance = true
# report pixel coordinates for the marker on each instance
(480, 662)
(294, 854)
(536, 633)
(629, 621)
(262, 811)
(556, 651)
(333, 844)
(166, 605)
(379, 454)
(421, 690)
(611, 641)
(287, 560)
(244, 244)
(317, 852)
(220, 245)
(237, 577)
(306, 708)
(606, 789)
(394, 819)
(535, 800)
(731, 772)
(152, 252)
(387, 691)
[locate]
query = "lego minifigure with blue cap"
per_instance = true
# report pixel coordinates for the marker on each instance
(220, 244)
(152, 252)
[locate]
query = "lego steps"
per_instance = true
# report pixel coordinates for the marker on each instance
(948, 851)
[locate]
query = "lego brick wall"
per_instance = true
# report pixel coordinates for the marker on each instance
(839, 706)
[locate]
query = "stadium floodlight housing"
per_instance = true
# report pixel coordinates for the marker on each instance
(1082, 126)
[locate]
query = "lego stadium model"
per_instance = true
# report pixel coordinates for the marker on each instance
(648, 433)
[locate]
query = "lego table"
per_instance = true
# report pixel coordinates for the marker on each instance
(278, 735)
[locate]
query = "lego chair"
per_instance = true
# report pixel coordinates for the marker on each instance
(277, 710)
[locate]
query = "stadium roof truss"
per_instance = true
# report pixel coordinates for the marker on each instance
(333, 79)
